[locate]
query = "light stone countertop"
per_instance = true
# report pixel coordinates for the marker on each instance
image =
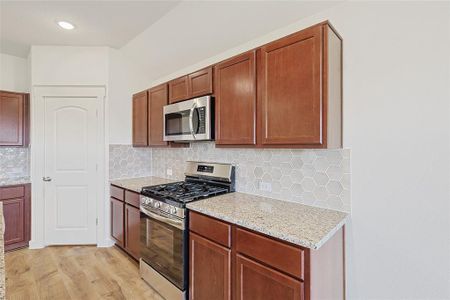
(2, 256)
(299, 224)
(14, 181)
(136, 184)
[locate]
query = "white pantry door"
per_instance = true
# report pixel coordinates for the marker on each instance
(70, 167)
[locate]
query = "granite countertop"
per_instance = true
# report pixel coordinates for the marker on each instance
(299, 224)
(136, 184)
(14, 180)
(2, 256)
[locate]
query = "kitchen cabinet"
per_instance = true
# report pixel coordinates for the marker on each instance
(117, 221)
(235, 90)
(226, 257)
(16, 202)
(210, 271)
(140, 119)
(125, 220)
(14, 119)
(132, 225)
(157, 98)
(196, 84)
(300, 94)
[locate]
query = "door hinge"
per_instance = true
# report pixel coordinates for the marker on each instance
(96, 113)
(96, 221)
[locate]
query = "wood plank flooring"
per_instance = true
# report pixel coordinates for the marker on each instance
(74, 272)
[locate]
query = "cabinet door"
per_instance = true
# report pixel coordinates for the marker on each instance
(257, 282)
(140, 119)
(14, 214)
(290, 89)
(12, 119)
(235, 90)
(209, 269)
(178, 89)
(132, 231)
(200, 83)
(117, 222)
(157, 98)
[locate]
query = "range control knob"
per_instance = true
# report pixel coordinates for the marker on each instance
(146, 201)
(173, 210)
(156, 205)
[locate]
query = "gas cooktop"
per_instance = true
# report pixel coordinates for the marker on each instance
(183, 191)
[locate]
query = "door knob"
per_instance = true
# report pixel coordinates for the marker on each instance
(47, 178)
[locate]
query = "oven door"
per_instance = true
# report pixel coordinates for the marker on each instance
(164, 246)
(188, 120)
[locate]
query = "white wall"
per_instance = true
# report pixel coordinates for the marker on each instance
(14, 73)
(67, 65)
(125, 78)
(396, 121)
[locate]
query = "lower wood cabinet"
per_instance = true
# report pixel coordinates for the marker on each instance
(125, 220)
(132, 225)
(210, 271)
(16, 202)
(254, 266)
(255, 281)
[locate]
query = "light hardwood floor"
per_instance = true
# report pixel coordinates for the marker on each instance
(74, 272)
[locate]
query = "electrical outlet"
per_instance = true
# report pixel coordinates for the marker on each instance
(169, 172)
(265, 186)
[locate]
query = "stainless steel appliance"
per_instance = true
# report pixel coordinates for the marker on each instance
(190, 120)
(164, 225)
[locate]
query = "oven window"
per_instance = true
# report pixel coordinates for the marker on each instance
(163, 249)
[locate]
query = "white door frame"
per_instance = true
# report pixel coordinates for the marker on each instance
(37, 147)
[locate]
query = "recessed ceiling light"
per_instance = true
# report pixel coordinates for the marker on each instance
(66, 25)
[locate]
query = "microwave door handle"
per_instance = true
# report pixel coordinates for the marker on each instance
(191, 120)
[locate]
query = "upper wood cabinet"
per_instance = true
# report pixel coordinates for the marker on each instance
(200, 83)
(140, 119)
(14, 119)
(235, 90)
(178, 89)
(157, 98)
(196, 84)
(299, 81)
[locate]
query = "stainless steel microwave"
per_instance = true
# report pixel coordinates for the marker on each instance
(190, 120)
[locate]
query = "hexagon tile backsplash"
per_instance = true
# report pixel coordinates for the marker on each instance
(14, 162)
(313, 177)
(126, 161)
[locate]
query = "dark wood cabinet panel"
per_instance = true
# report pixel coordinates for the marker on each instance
(235, 90)
(132, 198)
(14, 119)
(117, 221)
(209, 269)
(139, 118)
(178, 89)
(17, 215)
(132, 227)
(157, 98)
(210, 228)
(255, 281)
(200, 83)
(290, 81)
(117, 192)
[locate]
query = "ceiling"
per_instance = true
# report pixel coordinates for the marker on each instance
(98, 23)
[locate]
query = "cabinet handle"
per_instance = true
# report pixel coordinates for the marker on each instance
(46, 178)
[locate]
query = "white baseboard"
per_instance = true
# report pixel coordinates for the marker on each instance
(105, 243)
(36, 245)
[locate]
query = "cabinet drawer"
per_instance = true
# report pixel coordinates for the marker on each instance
(132, 198)
(117, 192)
(281, 256)
(210, 228)
(12, 192)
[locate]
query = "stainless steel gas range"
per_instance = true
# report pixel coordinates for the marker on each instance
(164, 225)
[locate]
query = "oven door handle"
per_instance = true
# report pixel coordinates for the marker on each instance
(191, 119)
(174, 222)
